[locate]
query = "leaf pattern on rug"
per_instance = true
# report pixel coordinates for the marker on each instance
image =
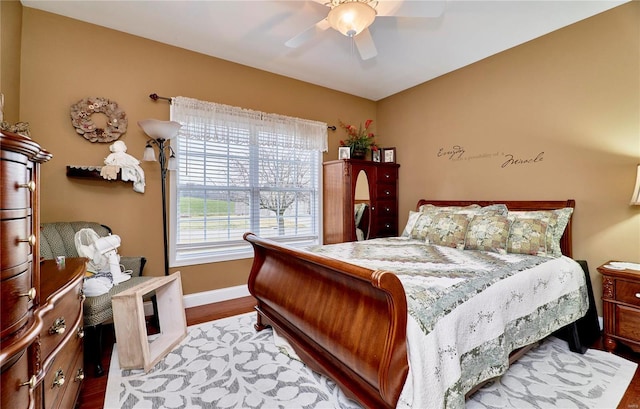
(228, 364)
(551, 376)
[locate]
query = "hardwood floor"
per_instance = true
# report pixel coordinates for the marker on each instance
(93, 389)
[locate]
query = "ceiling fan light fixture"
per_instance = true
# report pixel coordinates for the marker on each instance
(351, 17)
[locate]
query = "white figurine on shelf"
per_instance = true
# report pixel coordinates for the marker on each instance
(120, 160)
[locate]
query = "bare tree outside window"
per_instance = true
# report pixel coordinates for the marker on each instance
(283, 179)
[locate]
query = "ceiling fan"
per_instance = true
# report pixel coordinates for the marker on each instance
(353, 18)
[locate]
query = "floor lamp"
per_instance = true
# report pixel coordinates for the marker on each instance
(635, 199)
(159, 133)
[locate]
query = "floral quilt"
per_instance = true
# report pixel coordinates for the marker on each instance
(468, 309)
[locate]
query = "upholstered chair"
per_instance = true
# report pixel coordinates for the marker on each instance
(58, 239)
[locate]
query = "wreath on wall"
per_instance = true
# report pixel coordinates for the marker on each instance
(82, 112)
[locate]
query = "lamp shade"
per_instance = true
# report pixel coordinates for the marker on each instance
(351, 17)
(149, 154)
(635, 199)
(158, 129)
(172, 162)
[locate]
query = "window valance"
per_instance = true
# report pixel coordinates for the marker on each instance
(228, 124)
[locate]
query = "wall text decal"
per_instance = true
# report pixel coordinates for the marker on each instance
(457, 153)
(511, 160)
(454, 153)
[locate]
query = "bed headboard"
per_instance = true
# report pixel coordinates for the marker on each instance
(566, 244)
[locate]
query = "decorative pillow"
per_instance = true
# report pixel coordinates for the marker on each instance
(498, 208)
(413, 218)
(422, 225)
(448, 230)
(557, 221)
(429, 207)
(529, 236)
(418, 226)
(473, 209)
(488, 233)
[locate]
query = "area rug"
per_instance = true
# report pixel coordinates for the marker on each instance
(227, 364)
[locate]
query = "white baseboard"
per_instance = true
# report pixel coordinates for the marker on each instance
(207, 297)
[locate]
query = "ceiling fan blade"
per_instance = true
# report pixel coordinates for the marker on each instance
(410, 8)
(366, 46)
(308, 34)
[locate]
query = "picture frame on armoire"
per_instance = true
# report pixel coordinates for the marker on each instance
(344, 152)
(388, 155)
(375, 155)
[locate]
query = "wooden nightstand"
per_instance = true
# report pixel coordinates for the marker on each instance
(621, 307)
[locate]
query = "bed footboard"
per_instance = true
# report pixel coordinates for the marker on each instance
(344, 321)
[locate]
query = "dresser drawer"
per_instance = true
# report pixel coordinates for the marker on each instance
(387, 174)
(16, 239)
(386, 192)
(16, 297)
(627, 322)
(72, 389)
(58, 322)
(386, 208)
(16, 185)
(14, 373)
(385, 228)
(60, 373)
(628, 292)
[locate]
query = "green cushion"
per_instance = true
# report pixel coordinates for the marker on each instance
(58, 239)
(98, 309)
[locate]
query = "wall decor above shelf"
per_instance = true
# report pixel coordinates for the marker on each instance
(88, 172)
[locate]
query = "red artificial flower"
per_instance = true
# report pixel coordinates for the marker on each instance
(359, 138)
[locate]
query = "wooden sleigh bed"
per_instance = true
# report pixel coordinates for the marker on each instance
(343, 320)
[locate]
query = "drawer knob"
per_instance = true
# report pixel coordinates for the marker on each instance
(58, 327)
(31, 186)
(31, 294)
(80, 375)
(387, 192)
(58, 380)
(637, 295)
(80, 332)
(31, 383)
(31, 240)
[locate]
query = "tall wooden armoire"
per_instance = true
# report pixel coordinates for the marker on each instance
(343, 189)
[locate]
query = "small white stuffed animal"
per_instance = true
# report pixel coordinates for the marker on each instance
(119, 159)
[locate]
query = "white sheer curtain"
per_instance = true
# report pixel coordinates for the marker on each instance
(219, 123)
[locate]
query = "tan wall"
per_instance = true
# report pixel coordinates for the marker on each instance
(572, 96)
(64, 60)
(10, 27)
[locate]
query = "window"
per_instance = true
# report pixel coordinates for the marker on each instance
(242, 171)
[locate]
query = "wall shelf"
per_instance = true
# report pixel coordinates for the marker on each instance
(89, 172)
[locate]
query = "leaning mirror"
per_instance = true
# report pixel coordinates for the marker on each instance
(362, 207)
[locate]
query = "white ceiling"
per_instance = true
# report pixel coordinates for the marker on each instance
(410, 50)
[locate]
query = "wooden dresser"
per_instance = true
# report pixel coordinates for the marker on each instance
(40, 303)
(342, 192)
(621, 307)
